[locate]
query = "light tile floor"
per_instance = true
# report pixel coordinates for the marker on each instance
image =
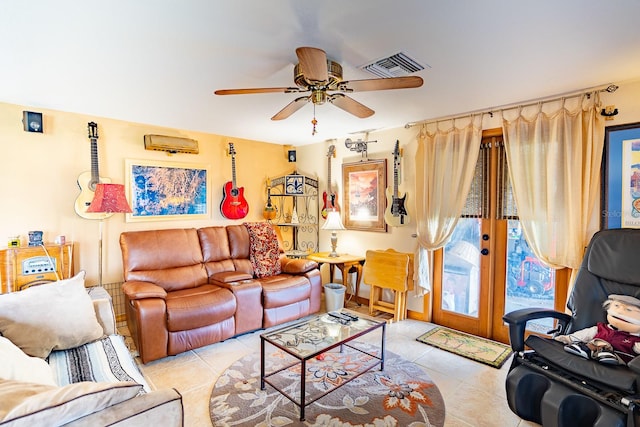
(473, 393)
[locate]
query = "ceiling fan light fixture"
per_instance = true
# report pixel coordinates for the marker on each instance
(318, 97)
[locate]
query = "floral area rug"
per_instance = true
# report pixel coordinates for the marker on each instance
(401, 395)
(480, 349)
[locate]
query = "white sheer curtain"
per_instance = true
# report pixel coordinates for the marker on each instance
(445, 165)
(554, 165)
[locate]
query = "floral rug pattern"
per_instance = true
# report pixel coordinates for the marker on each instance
(401, 395)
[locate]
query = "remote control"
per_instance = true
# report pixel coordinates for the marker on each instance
(339, 316)
(350, 316)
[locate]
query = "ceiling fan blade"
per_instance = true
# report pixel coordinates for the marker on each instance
(313, 63)
(350, 105)
(381, 84)
(291, 108)
(256, 90)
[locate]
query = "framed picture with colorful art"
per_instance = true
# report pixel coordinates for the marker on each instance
(161, 191)
(620, 200)
(363, 185)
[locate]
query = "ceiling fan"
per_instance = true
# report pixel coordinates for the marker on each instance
(318, 75)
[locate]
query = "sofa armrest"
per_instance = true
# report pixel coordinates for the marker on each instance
(140, 290)
(103, 306)
(297, 266)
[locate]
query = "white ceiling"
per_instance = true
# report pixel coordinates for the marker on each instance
(159, 61)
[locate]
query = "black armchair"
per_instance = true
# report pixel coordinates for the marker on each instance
(552, 387)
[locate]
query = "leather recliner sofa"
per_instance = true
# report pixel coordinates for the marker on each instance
(187, 288)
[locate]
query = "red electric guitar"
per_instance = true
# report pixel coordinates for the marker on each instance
(234, 205)
(329, 197)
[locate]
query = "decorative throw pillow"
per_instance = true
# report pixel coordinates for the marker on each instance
(53, 316)
(264, 252)
(27, 404)
(16, 365)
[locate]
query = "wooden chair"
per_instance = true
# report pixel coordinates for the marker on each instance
(389, 270)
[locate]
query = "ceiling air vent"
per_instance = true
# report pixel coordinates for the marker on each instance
(397, 65)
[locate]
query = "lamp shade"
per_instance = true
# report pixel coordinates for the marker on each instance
(333, 221)
(109, 198)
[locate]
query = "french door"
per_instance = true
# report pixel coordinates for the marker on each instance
(487, 268)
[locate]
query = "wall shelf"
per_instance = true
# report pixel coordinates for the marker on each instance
(301, 237)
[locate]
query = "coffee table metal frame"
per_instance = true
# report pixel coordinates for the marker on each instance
(304, 354)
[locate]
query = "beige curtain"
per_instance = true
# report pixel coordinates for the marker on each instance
(445, 165)
(554, 165)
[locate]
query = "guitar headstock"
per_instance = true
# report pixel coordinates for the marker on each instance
(232, 151)
(332, 151)
(92, 127)
(396, 150)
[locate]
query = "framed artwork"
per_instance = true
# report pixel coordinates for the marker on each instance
(294, 185)
(160, 191)
(364, 184)
(620, 200)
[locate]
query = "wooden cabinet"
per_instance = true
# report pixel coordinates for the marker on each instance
(33, 265)
(297, 212)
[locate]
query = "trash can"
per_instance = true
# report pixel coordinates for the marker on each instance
(334, 296)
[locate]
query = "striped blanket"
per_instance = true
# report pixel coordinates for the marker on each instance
(105, 360)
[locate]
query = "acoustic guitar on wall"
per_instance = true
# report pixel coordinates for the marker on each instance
(396, 213)
(234, 205)
(270, 211)
(329, 197)
(87, 180)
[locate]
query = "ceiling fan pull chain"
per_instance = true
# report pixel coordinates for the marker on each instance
(314, 122)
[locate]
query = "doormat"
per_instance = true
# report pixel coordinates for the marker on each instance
(481, 350)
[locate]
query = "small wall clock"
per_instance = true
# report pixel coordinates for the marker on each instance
(294, 185)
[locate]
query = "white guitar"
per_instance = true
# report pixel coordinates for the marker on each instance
(87, 180)
(396, 214)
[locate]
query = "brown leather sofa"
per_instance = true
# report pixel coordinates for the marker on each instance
(187, 288)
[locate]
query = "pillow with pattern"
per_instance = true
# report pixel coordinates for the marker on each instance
(264, 252)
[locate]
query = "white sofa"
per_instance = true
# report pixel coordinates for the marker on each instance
(63, 363)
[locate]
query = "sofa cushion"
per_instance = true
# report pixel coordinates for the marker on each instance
(264, 252)
(16, 365)
(202, 306)
(283, 289)
(28, 404)
(53, 316)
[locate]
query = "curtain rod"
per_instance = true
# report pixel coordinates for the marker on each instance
(608, 88)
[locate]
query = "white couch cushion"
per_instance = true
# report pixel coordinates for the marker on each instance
(28, 404)
(16, 365)
(53, 316)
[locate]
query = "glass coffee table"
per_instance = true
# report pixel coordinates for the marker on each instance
(311, 338)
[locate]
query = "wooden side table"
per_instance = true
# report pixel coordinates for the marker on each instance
(346, 263)
(26, 266)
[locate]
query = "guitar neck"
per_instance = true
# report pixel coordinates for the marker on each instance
(95, 173)
(233, 172)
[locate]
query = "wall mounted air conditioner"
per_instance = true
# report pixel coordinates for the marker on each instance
(171, 144)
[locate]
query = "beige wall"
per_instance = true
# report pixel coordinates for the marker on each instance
(38, 175)
(626, 99)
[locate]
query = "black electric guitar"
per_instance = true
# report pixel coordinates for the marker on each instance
(396, 214)
(234, 205)
(329, 197)
(87, 180)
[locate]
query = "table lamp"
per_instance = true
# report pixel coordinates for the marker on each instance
(333, 223)
(108, 198)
